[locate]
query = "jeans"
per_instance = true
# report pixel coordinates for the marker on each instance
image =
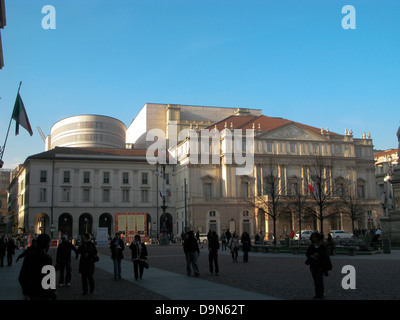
(87, 277)
(117, 269)
(191, 260)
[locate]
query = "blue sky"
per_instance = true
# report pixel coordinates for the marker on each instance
(292, 59)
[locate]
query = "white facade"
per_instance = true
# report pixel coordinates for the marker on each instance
(87, 131)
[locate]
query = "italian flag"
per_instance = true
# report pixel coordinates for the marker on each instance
(20, 116)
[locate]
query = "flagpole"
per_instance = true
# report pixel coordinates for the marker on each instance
(8, 131)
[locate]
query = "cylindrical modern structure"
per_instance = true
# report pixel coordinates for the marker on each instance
(88, 131)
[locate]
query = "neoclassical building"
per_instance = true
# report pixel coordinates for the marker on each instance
(74, 187)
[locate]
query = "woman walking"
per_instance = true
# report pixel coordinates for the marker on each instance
(88, 252)
(117, 247)
(234, 246)
(246, 246)
(139, 255)
(213, 246)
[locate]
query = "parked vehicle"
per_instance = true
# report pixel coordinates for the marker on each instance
(341, 234)
(203, 238)
(305, 235)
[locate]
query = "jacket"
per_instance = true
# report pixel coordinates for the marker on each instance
(64, 252)
(31, 276)
(322, 262)
(191, 245)
(87, 251)
(139, 252)
(116, 250)
(213, 243)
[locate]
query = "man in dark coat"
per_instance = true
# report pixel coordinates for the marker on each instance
(3, 246)
(117, 247)
(192, 252)
(213, 246)
(63, 260)
(139, 255)
(31, 275)
(88, 252)
(246, 246)
(319, 262)
(10, 251)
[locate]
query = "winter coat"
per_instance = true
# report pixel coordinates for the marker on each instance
(87, 251)
(117, 250)
(139, 251)
(191, 245)
(64, 252)
(246, 243)
(322, 262)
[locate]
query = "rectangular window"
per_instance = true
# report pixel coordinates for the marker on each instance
(144, 178)
(106, 177)
(125, 177)
(43, 176)
(245, 189)
(66, 195)
(269, 146)
(86, 177)
(125, 195)
(208, 190)
(360, 190)
(86, 195)
(106, 195)
(42, 194)
(145, 195)
(67, 176)
(292, 147)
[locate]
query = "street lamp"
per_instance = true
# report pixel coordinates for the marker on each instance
(163, 218)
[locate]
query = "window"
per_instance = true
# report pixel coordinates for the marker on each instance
(144, 178)
(166, 178)
(42, 194)
(245, 189)
(86, 195)
(292, 147)
(207, 190)
(125, 177)
(361, 192)
(269, 146)
(43, 176)
(246, 213)
(66, 196)
(145, 195)
(294, 189)
(106, 177)
(106, 195)
(125, 195)
(67, 176)
(212, 213)
(86, 177)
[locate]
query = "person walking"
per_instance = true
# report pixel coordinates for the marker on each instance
(223, 241)
(213, 246)
(63, 260)
(3, 249)
(10, 251)
(192, 252)
(117, 247)
(31, 276)
(246, 246)
(139, 256)
(234, 246)
(87, 252)
(319, 262)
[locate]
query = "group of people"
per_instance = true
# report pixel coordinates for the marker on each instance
(7, 247)
(192, 250)
(36, 257)
(139, 255)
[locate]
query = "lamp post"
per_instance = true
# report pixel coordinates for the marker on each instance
(163, 218)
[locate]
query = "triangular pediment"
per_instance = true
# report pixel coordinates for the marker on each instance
(291, 131)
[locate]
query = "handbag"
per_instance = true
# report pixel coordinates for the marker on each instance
(146, 265)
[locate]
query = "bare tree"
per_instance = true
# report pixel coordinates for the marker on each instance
(271, 202)
(352, 205)
(320, 192)
(298, 204)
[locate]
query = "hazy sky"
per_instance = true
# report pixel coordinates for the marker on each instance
(292, 59)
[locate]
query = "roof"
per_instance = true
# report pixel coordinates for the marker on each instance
(262, 123)
(385, 153)
(92, 153)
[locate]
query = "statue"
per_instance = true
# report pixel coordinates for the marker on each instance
(398, 137)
